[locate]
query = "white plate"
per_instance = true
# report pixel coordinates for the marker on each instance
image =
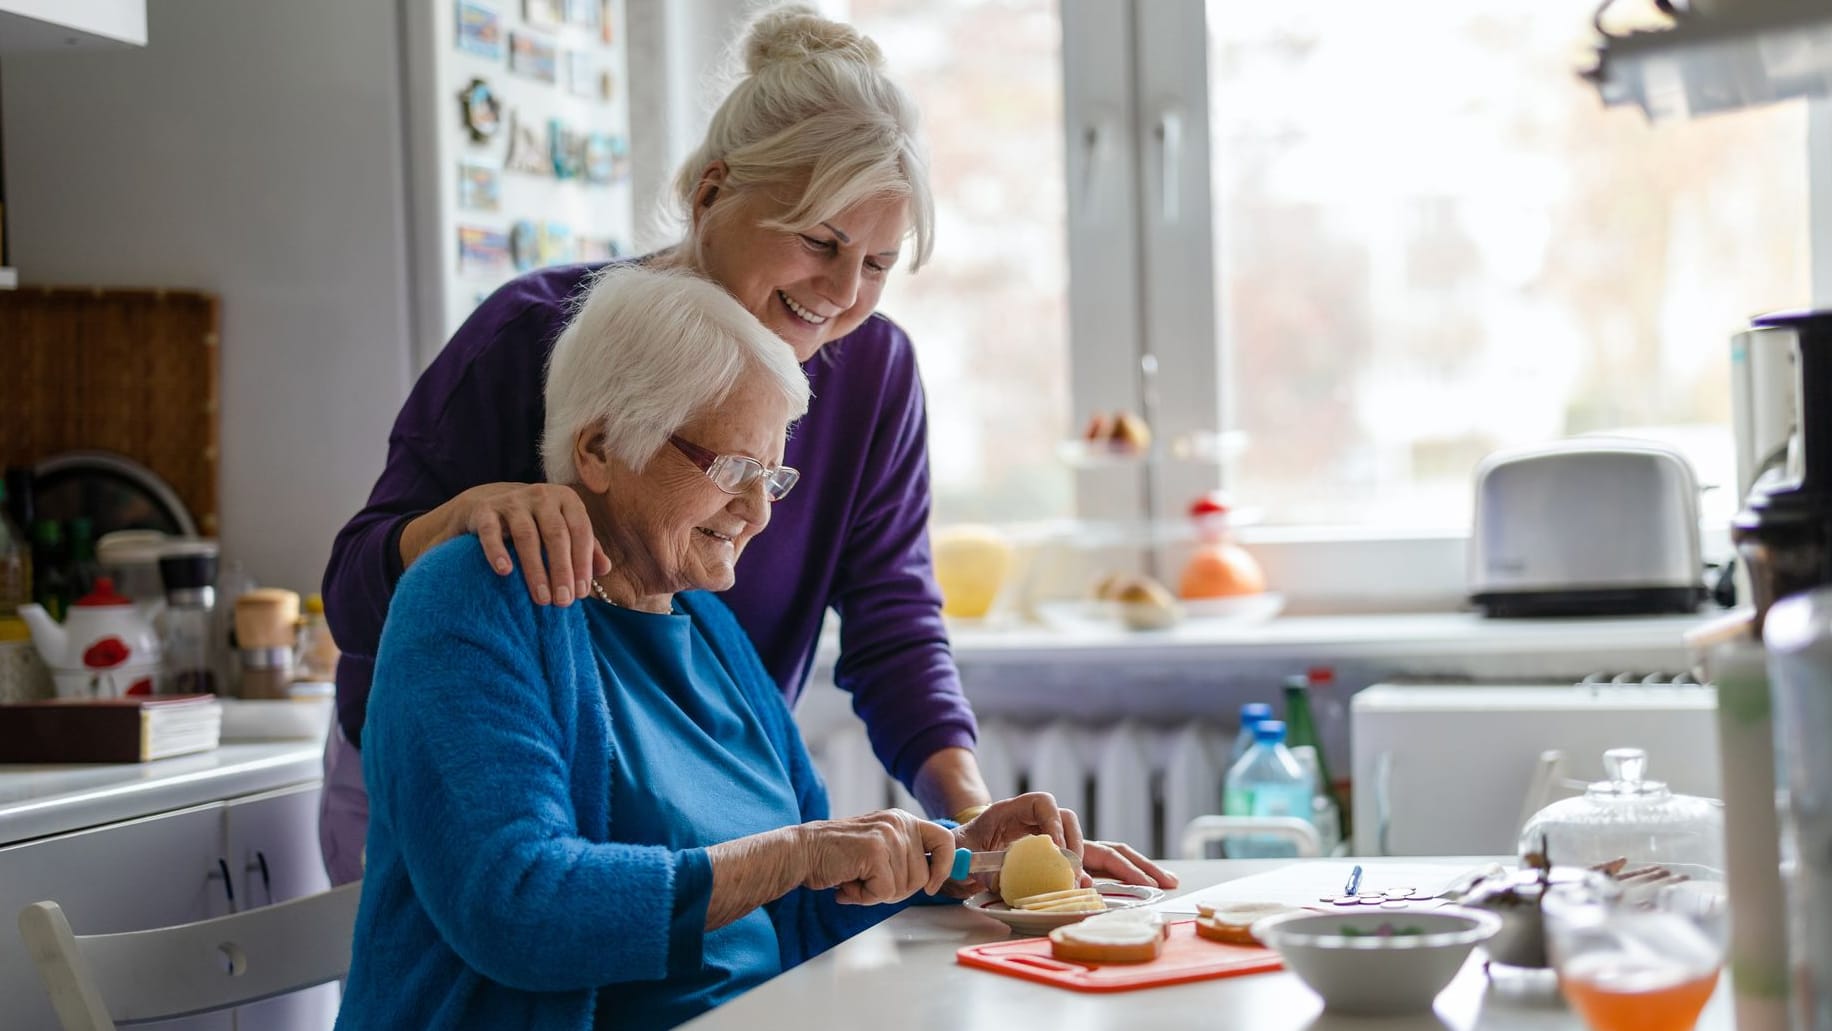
(1116, 896)
(1082, 614)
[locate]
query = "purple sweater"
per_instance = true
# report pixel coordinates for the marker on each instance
(853, 536)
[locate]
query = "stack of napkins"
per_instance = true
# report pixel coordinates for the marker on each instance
(111, 730)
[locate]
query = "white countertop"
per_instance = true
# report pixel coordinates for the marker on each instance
(902, 974)
(36, 801)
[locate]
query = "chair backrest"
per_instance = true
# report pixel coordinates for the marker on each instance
(97, 980)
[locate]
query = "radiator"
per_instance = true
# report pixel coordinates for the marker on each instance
(1133, 782)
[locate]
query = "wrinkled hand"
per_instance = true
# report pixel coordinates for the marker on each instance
(1123, 863)
(885, 856)
(532, 517)
(1006, 821)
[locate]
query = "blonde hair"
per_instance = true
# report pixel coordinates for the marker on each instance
(814, 111)
(646, 351)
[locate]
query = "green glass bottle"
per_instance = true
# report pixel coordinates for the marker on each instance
(1301, 732)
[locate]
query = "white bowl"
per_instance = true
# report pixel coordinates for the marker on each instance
(1380, 962)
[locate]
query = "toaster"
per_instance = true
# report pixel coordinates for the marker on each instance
(1588, 526)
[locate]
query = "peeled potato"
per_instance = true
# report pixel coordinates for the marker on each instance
(1034, 866)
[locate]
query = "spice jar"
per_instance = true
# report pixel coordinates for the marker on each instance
(264, 634)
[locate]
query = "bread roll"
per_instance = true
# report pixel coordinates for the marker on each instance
(1122, 936)
(1232, 924)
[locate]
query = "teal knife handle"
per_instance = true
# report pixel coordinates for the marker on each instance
(963, 862)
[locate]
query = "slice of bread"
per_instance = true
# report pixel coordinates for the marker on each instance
(1232, 923)
(1122, 936)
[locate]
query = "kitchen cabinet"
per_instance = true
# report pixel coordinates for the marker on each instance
(153, 846)
(72, 24)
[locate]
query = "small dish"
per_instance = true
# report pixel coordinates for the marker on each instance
(1116, 896)
(1386, 962)
(1242, 608)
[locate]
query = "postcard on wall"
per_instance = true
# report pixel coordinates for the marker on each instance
(597, 248)
(585, 74)
(480, 30)
(532, 56)
(524, 245)
(546, 14)
(479, 188)
(482, 250)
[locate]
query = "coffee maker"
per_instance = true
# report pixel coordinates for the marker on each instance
(1783, 537)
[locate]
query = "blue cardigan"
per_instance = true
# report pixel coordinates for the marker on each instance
(493, 897)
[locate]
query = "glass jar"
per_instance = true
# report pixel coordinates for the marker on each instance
(1628, 817)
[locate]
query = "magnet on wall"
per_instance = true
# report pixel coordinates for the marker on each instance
(480, 30)
(524, 245)
(527, 148)
(482, 111)
(481, 250)
(609, 31)
(568, 150)
(557, 244)
(533, 56)
(545, 13)
(585, 73)
(479, 188)
(583, 13)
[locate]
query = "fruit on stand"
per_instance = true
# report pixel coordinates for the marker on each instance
(1219, 567)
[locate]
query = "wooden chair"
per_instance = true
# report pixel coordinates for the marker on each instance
(98, 980)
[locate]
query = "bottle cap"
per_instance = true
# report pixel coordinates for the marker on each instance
(1269, 732)
(1252, 712)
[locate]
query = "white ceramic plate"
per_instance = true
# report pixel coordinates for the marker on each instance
(1083, 614)
(1116, 896)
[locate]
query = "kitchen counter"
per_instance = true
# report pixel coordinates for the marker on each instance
(37, 801)
(902, 974)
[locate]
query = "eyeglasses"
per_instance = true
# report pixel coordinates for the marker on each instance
(734, 474)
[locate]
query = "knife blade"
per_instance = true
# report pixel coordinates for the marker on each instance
(968, 862)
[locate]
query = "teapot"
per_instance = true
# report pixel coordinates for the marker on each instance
(105, 648)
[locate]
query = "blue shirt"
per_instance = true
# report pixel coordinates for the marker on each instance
(496, 895)
(690, 767)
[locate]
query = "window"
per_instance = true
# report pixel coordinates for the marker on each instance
(988, 315)
(1432, 241)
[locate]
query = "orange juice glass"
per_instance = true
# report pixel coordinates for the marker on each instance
(1639, 960)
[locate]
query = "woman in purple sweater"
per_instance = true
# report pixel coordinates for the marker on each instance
(800, 201)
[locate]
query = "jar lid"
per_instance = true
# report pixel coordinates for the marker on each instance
(130, 547)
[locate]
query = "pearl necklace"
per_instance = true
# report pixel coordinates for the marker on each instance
(598, 589)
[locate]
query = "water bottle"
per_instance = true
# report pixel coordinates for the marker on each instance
(1267, 781)
(1250, 716)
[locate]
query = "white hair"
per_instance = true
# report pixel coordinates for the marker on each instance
(646, 352)
(814, 112)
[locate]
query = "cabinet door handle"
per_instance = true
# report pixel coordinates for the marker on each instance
(260, 865)
(222, 866)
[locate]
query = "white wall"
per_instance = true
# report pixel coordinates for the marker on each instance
(254, 150)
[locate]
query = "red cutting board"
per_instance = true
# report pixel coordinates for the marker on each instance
(1186, 957)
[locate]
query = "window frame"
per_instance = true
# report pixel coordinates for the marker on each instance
(1141, 293)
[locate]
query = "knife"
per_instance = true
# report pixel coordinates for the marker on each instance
(967, 861)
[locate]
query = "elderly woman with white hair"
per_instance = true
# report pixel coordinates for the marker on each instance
(603, 812)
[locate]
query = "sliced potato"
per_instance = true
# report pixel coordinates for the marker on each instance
(1054, 896)
(1093, 905)
(1034, 866)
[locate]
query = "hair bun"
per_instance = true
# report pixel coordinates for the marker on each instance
(797, 33)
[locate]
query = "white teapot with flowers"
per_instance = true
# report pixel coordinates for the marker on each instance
(104, 648)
